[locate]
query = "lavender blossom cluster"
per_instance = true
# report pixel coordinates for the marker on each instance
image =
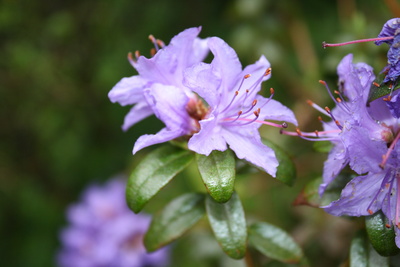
(103, 231)
(210, 105)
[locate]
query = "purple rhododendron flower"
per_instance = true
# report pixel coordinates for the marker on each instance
(164, 68)
(373, 151)
(236, 111)
(102, 231)
(366, 140)
(354, 82)
(391, 29)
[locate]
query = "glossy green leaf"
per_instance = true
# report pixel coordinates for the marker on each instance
(286, 171)
(381, 234)
(174, 220)
(274, 243)
(153, 173)
(229, 225)
(218, 173)
(382, 89)
(362, 254)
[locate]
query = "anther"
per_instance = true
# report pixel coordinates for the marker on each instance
(267, 72)
(137, 54)
(247, 76)
(338, 100)
(272, 91)
(387, 225)
(160, 43)
(387, 98)
(152, 39)
(316, 133)
(153, 51)
(370, 211)
(376, 84)
(309, 102)
(328, 110)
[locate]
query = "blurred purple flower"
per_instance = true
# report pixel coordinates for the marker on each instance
(391, 29)
(165, 68)
(236, 111)
(102, 231)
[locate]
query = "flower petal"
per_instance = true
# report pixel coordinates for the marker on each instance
(251, 148)
(357, 197)
(201, 79)
(388, 30)
(139, 112)
(151, 139)
(168, 63)
(208, 138)
(364, 153)
(225, 63)
(128, 90)
(274, 110)
(169, 105)
(336, 161)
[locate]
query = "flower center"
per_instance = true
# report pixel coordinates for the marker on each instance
(241, 110)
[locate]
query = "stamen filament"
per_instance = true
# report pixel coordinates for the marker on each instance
(390, 149)
(325, 45)
(315, 106)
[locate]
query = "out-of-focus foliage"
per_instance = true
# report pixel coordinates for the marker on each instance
(59, 131)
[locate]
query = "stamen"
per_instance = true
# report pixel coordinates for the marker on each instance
(333, 118)
(130, 59)
(272, 91)
(160, 43)
(389, 151)
(376, 84)
(315, 106)
(325, 45)
(154, 41)
(153, 51)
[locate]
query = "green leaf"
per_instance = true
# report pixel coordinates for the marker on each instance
(174, 220)
(286, 172)
(323, 146)
(229, 225)
(380, 235)
(382, 89)
(218, 173)
(274, 243)
(362, 254)
(153, 173)
(309, 195)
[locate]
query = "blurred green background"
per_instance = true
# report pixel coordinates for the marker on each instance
(59, 132)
